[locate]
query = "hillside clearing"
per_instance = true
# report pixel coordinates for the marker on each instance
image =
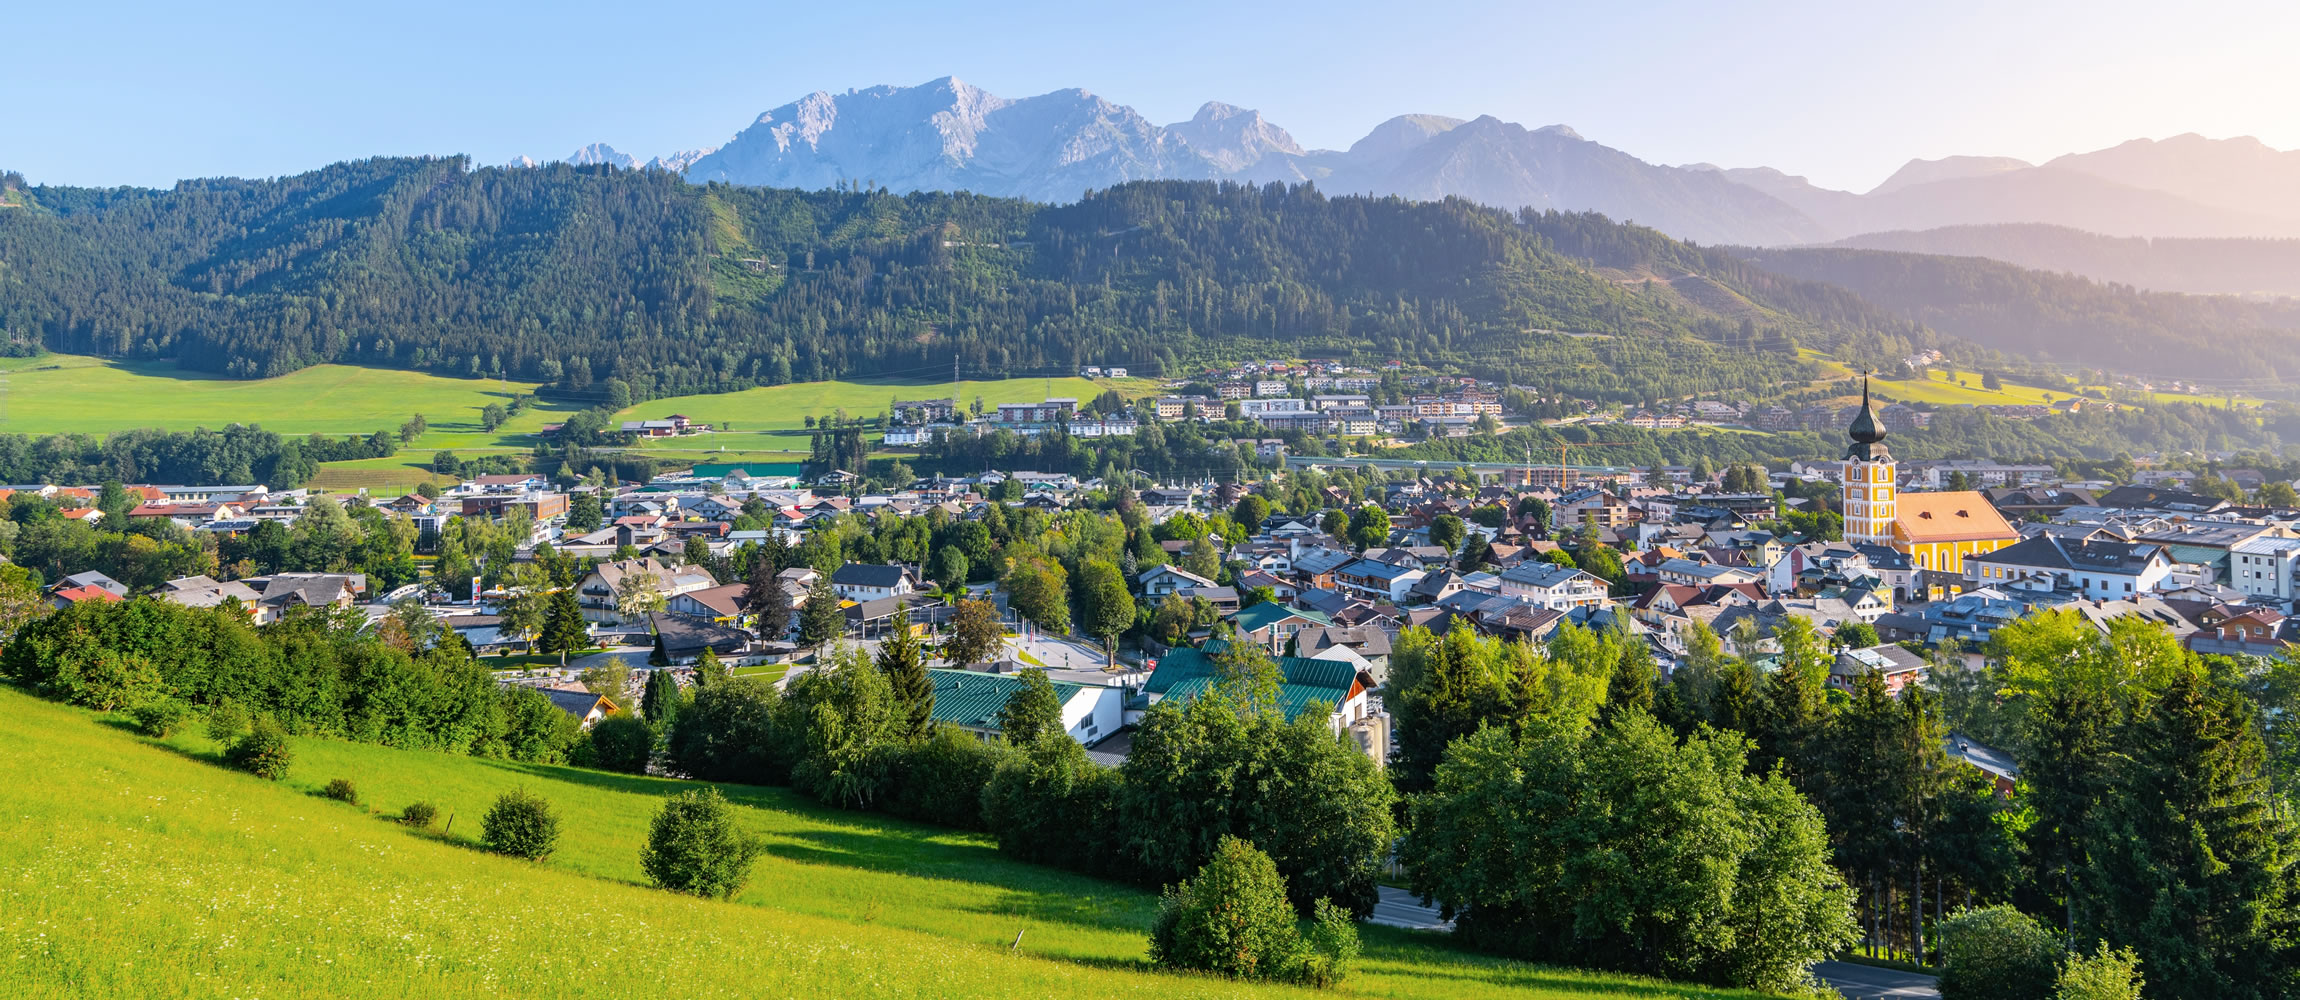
(143, 869)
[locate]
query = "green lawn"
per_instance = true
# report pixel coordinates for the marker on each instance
(139, 868)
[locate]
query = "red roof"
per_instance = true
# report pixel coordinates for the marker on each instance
(74, 595)
(78, 513)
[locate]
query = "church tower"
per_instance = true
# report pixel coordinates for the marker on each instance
(1870, 480)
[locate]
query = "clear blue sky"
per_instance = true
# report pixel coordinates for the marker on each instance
(135, 93)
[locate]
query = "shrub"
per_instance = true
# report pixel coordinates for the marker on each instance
(2102, 975)
(226, 721)
(1332, 945)
(1997, 953)
(1232, 919)
(940, 780)
(263, 752)
(160, 718)
(341, 790)
(419, 815)
(694, 846)
(521, 824)
(622, 742)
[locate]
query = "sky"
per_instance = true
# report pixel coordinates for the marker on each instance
(1843, 93)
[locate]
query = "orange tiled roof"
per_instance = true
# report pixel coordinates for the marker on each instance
(1949, 516)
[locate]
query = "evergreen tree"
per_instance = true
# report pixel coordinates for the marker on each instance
(903, 661)
(821, 619)
(660, 700)
(2191, 864)
(563, 627)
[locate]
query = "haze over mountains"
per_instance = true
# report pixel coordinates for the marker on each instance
(950, 135)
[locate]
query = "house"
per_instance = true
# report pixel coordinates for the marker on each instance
(1557, 588)
(1899, 667)
(1339, 689)
(1371, 644)
(971, 700)
(282, 591)
(64, 597)
(596, 594)
(683, 639)
(1379, 581)
(871, 581)
(722, 603)
(205, 592)
(587, 708)
(94, 579)
(1161, 581)
(2097, 568)
(1685, 572)
(1271, 624)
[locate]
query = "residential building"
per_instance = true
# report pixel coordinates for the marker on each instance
(2098, 569)
(2265, 568)
(871, 581)
(596, 594)
(971, 700)
(1378, 581)
(1553, 587)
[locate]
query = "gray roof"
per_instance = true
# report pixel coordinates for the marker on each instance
(868, 575)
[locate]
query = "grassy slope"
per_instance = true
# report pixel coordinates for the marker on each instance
(141, 869)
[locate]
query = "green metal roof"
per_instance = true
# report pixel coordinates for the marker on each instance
(971, 699)
(1188, 673)
(1260, 616)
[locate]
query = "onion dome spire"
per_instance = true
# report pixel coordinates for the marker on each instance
(1867, 433)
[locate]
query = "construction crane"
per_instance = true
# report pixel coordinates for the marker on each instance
(1564, 471)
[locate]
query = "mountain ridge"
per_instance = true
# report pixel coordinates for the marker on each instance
(948, 135)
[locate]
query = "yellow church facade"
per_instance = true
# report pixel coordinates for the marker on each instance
(1936, 530)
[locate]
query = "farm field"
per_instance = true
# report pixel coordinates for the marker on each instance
(144, 869)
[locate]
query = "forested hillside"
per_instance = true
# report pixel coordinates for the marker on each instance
(2164, 264)
(2067, 320)
(618, 284)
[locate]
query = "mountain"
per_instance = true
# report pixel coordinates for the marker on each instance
(600, 152)
(614, 285)
(947, 135)
(1947, 168)
(2065, 319)
(2241, 174)
(1237, 139)
(2205, 266)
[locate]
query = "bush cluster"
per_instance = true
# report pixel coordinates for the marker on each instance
(419, 815)
(263, 751)
(1233, 919)
(160, 717)
(341, 790)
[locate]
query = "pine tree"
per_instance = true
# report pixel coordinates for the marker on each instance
(660, 701)
(1631, 687)
(821, 619)
(903, 661)
(2190, 865)
(563, 628)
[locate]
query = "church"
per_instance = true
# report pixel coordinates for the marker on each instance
(1935, 530)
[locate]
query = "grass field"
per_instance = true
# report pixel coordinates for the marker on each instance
(772, 419)
(143, 869)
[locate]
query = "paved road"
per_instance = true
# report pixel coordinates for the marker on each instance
(1866, 982)
(1399, 908)
(1062, 653)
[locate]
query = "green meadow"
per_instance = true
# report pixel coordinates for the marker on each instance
(73, 394)
(770, 422)
(139, 868)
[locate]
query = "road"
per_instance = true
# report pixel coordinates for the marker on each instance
(1867, 982)
(1399, 908)
(1061, 653)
